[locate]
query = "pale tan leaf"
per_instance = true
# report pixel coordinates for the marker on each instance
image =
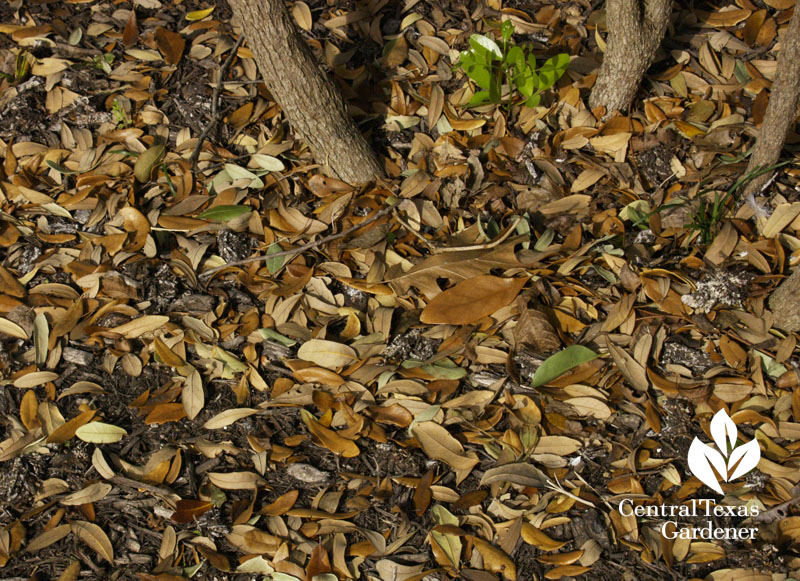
(91, 493)
(192, 396)
(302, 15)
(327, 354)
(438, 444)
(141, 325)
(236, 480)
(228, 417)
(47, 538)
(100, 433)
(35, 379)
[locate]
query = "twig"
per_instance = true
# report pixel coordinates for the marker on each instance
(419, 236)
(484, 246)
(303, 248)
(438, 249)
(215, 115)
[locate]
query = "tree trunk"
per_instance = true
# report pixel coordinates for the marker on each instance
(635, 30)
(312, 104)
(783, 304)
(782, 107)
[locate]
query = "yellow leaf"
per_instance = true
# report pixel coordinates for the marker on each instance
(199, 14)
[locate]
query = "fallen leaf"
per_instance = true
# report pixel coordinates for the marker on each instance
(471, 300)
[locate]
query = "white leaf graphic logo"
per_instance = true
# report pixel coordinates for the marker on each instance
(740, 459)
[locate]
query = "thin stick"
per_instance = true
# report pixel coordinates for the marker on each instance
(485, 246)
(215, 115)
(303, 248)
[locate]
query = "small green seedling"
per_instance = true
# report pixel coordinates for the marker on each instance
(120, 117)
(493, 67)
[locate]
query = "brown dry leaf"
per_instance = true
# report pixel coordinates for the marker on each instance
(330, 438)
(186, 510)
(131, 31)
(633, 371)
(566, 571)
(67, 431)
(47, 538)
(586, 179)
(471, 300)
(438, 444)
(170, 44)
(534, 536)
(454, 266)
(95, 537)
(723, 245)
(71, 572)
(521, 473)
(35, 379)
(494, 559)
(280, 505)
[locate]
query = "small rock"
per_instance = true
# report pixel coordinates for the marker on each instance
(76, 356)
(307, 473)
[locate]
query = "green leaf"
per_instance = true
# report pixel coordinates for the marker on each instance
(60, 168)
(224, 213)
(526, 82)
(479, 98)
(275, 264)
(561, 362)
(515, 57)
(484, 44)
(507, 30)
(552, 70)
(476, 71)
(533, 101)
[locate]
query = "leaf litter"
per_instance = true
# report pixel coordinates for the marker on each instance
(463, 386)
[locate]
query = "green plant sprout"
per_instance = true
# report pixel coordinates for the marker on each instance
(708, 215)
(118, 112)
(493, 67)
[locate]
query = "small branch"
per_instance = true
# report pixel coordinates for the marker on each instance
(299, 249)
(215, 115)
(484, 246)
(439, 249)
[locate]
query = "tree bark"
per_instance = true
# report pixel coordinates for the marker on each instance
(311, 103)
(782, 106)
(783, 304)
(635, 31)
